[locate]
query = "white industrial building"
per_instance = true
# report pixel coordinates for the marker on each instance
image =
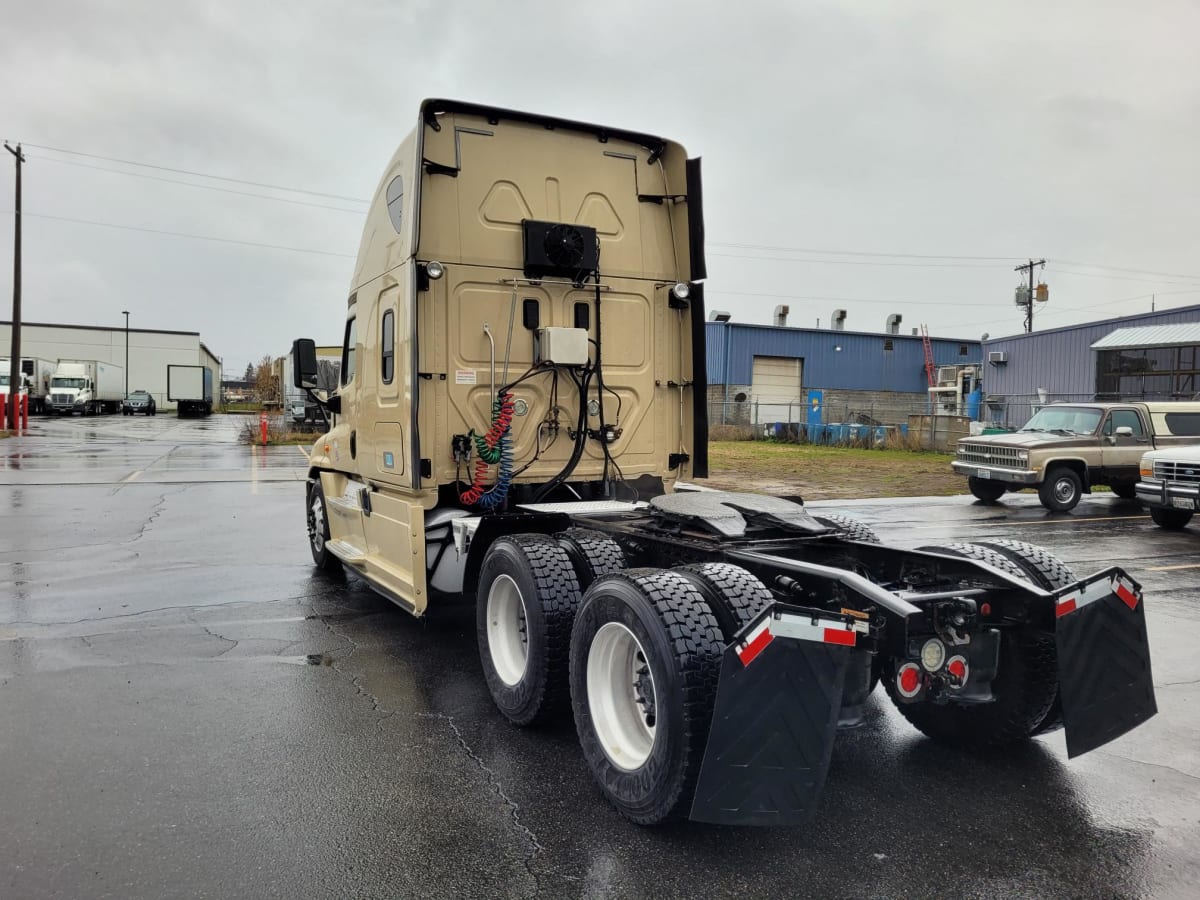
(149, 352)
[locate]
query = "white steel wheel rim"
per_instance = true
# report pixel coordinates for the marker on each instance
(621, 696)
(507, 633)
(317, 526)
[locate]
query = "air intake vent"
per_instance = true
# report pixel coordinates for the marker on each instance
(554, 248)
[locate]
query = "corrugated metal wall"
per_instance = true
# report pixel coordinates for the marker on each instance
(862, 363)
(1061, 359)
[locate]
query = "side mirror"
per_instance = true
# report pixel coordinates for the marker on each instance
(1124, 431)
(304, 363)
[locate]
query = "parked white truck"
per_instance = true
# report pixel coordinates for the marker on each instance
(86, 386)
(1170, 485)
(191, 388)
(35, 381)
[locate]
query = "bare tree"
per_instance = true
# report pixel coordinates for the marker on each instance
(265, 382)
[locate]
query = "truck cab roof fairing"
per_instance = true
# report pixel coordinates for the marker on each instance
(432, 107)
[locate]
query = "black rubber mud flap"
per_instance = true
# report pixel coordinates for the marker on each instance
(1103, 660)
(775, 720)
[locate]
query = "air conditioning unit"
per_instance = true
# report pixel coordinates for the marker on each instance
(947, 375)
(998, 357)
(555, 248)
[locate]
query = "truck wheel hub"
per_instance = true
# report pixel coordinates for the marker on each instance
(621, 696)
(507, 632)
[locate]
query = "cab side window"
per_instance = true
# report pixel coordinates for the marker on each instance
(348, 351)
(1125, 418)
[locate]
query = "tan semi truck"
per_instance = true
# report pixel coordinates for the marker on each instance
(521, 399)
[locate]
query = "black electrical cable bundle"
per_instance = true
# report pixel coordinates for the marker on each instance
(580, 438)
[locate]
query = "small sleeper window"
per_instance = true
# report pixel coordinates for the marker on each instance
(388, 356)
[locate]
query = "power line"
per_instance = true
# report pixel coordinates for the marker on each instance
(1071, 262)
(129, 162)
(192, 184)
(181, 234)
(857, 252)
(1060, 271)
(716, 292)
(850, 262)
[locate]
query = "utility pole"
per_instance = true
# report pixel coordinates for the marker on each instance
(14, 369)
(1029, 267)
(125, 313)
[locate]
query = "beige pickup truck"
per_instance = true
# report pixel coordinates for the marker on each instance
(1068, 448)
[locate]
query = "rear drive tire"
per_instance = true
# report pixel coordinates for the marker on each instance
(734, 596)
(593, 554)
(985, 489)
(1049, 572)
(645, 658)
(1172, 519)
(852, 528)
(1025, 687)
(524, 610)
(1062, 489)
(318, 529)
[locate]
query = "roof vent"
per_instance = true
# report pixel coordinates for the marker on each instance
(893, 323)
(839, 320)
(781, 314)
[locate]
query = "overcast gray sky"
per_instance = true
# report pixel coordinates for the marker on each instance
(1068, 130)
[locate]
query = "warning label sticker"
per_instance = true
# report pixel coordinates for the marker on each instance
(464, 376)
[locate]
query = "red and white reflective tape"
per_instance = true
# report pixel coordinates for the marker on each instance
(804, 628)
(1124, 589)
(1098, 590)
(756, 641)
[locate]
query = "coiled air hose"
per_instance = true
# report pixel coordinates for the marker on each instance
(493, 448)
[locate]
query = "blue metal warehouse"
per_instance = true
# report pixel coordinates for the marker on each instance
(1025, 370)
(878, 376)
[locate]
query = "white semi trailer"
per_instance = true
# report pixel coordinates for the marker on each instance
(35, 380)
(191, 387)
(86, 386)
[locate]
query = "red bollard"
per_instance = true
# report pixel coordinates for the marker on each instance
(262, 426)
(24, 412)
(3, 412)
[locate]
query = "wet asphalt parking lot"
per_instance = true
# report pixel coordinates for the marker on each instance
(189, 710)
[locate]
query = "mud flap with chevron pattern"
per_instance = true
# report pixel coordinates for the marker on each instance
(775, 720)
(1103, 660)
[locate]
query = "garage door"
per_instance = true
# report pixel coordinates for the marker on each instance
(775, 389)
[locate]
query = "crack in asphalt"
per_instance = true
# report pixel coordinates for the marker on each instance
(1177, 683)
(493, 781)
(232, 643)
(1142, 762)
(147, 612)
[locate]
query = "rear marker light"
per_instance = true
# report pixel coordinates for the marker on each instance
(908, 680)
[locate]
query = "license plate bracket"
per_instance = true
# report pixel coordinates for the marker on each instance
(1183, 503)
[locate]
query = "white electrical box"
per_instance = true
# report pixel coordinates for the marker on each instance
(563, 346)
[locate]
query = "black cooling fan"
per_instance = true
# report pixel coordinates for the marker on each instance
(555, 248)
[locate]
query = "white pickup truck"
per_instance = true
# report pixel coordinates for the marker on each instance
(1170, 485)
